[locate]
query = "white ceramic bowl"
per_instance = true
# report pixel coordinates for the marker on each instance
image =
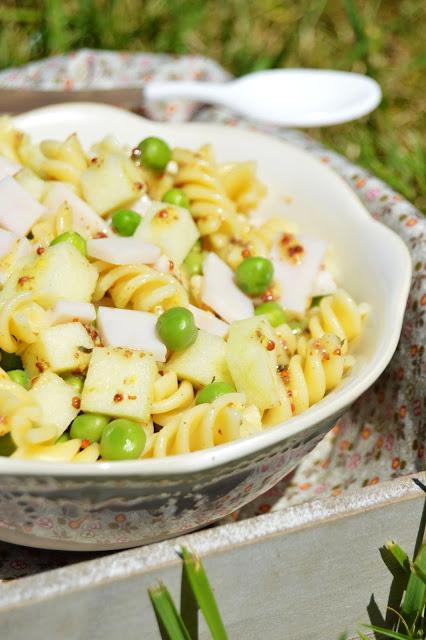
(122, 504)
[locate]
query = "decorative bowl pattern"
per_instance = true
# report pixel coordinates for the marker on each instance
(116, 505)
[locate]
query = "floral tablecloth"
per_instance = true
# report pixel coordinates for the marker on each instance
(383, 435)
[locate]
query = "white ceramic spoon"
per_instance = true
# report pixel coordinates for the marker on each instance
(289, 97)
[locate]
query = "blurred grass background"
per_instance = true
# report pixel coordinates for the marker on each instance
(384, 38)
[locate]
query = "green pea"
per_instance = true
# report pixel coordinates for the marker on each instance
(273, 311)
(213, 391)
(74, 238)
(89, 426)
(316, 301)
(254, 275)
(177, 197)
(76, 382)
(176, 328)
(7, 446)
(63, 438)
(125, 222)
(193, 262)
(122, 440)
(19, 376)
(155, 153)
(9, 361)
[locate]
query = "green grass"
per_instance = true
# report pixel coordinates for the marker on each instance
(382, 37)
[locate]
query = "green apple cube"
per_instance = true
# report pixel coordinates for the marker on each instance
(60, 273)
(108, 184)
(58, 401)
(252, 361)
(171, 228)
(203, 362)
(120, 383)
(61, 348)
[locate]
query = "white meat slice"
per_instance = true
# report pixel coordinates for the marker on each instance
(69, 311)
(220, 293)
(296, 279)
(123, 250)
(141, 205)
(130, 330)
(18, 209)
(8, 167)
(85, 220)
(7, 242)
(208, 322)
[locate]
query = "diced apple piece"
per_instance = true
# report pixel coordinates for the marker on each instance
(208, 322)
(324, 284)
(252, 361)
(170, 228)
(8, 167)
(107, 185)
(60, 273)
(18, 209)
(131, 330)
(7, 242)
(120, 383)
(203, 362)
(20, 249)
(84, 220)
(220, 292)
(61, 348)
(296, 279)
(30, 181)
(70, 311)
(141, 205)
(57, 400)
(123, 250)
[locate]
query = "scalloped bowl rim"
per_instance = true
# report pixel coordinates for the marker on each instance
(239, 449)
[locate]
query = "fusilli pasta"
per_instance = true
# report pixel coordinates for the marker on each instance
(308, 378)
(170, 397)
(213, 211)
(337, 314)
(21, 320)
(139, 287)
(204, 426)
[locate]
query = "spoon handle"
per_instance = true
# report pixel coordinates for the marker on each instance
(215, 93)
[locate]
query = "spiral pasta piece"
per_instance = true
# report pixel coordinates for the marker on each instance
(21, 320)
(253, 241)
(64, 161)
(68, 451)
(18, 410)
(49, 227)
(213, 211)
(338, 314)
(9, 139)
(139, 287)
(241, 184)
(308, 378)
(205, 425)
(170, 397)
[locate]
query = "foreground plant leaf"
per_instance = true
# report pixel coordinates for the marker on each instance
(388, 633)
(396, 559)
(169, 621)
(203, 594)
(414, 600)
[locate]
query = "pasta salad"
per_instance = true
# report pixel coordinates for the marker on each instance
(145, 311)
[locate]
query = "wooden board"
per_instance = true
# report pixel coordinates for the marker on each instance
(300, 574)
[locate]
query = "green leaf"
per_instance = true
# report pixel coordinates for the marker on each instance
(169, 621)
(415, 596)
(388, 633)
(203, 594)
(396, 559)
